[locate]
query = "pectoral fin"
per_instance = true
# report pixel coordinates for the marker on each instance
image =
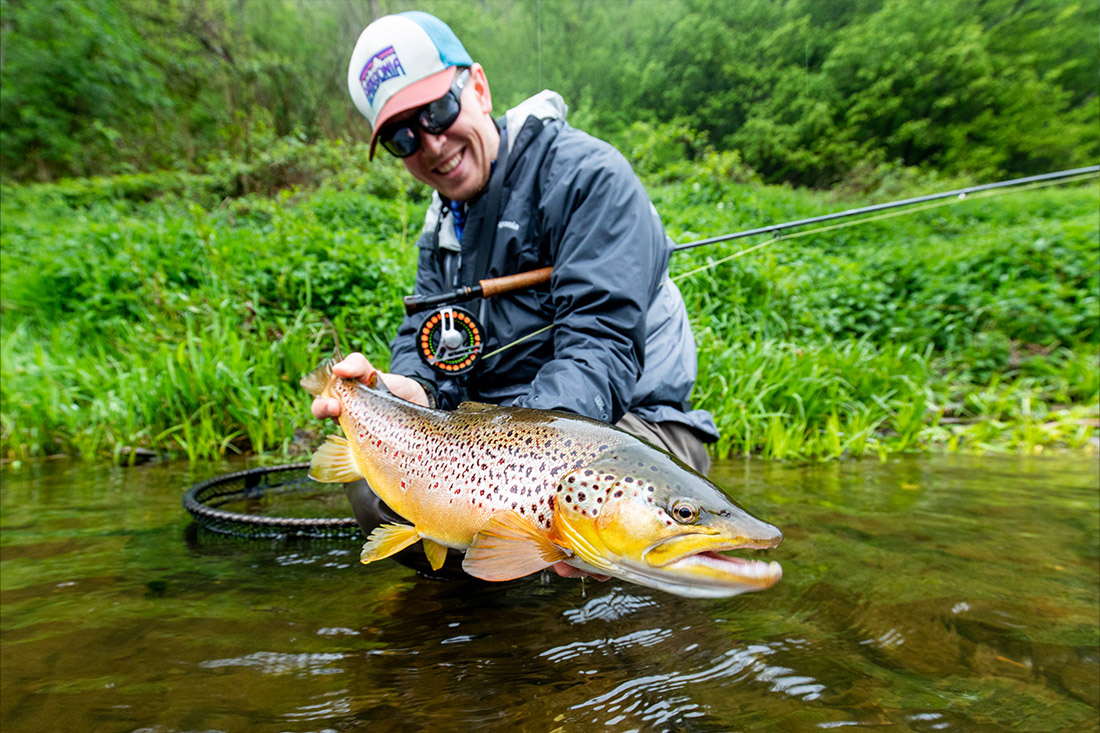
(386, 540)
(509, 547)
(436, 553)
(334, 462)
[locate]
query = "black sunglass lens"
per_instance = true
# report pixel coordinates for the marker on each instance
(402, 142)
(440, 114)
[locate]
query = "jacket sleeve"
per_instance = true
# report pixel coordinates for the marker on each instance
(609, 254)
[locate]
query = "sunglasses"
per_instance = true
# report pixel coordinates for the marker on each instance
(434, 117)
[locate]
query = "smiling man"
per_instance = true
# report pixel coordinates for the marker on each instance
(518, 193)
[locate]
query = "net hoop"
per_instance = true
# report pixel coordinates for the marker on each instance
(203, 498)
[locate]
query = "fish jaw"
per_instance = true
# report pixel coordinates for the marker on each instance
(700, 559)
(690, 565)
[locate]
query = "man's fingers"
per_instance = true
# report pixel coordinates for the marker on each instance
(354, 366)
(324, 407)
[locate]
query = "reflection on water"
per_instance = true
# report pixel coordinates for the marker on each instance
(923, 593)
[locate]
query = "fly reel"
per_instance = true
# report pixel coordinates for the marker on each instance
(450, 340)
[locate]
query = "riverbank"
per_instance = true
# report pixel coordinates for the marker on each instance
(180, 323)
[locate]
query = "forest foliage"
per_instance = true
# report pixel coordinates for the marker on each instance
(188, 213)
(802, 91)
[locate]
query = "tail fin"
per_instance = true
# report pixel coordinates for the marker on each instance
(316, 381)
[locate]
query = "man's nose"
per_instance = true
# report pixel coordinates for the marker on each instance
(432, 144)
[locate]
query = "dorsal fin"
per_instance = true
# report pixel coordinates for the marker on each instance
(471, 406)
(375, 382)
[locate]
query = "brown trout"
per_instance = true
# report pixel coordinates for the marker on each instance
(521, 489)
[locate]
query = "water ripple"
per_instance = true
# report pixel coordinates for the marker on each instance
(614, 605)
(339, 706)
(738, 664)
(277, 663)
(645, 637)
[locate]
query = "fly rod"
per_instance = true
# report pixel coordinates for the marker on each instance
(451, 339)
(959, 193)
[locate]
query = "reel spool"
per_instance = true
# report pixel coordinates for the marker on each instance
(450, 340)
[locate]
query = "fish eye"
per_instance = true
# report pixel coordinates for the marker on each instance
(684, 512)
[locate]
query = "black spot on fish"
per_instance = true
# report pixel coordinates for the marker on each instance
(580, 496)
(618, 493)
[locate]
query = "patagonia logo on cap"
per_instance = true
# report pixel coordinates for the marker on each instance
(380, 67)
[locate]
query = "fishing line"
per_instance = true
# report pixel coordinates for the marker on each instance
(520, 340)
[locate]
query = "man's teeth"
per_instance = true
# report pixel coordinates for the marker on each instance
(449, 165)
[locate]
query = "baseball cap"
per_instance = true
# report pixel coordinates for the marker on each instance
(401, 62)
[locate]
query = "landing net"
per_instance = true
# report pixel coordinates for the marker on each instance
(249, 504)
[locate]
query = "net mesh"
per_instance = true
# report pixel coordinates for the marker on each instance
(261, 490)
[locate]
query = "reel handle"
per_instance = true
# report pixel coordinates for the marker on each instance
(484, 289)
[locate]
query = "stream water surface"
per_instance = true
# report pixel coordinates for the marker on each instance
(920, 593)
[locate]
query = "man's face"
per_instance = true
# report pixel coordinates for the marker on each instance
(457, 162)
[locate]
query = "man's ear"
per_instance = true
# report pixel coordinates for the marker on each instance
(481, 88)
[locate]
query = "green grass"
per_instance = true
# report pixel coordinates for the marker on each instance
(181, 322)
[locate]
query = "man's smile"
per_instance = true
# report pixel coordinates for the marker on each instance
(450, 164)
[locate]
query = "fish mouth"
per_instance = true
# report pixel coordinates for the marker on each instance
(696, 564)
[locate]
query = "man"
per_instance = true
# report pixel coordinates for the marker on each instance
(517, 194)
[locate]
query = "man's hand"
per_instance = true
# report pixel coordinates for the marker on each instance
(356, 366)
(566, 570)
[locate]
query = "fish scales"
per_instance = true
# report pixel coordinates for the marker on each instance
(520, 490)
(489, 460)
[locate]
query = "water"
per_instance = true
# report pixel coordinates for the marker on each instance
(943, 593)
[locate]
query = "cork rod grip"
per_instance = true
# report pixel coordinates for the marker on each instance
(520, 280)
